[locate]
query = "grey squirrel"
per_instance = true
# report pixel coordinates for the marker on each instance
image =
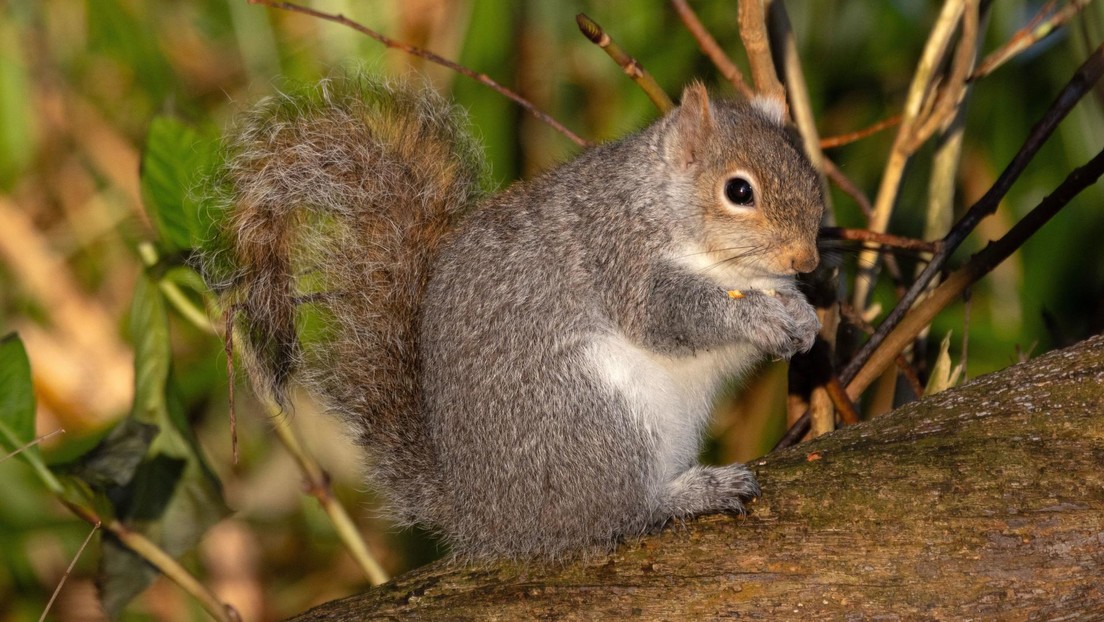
(531, 371)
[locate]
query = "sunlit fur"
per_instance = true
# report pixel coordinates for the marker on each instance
(531, 379)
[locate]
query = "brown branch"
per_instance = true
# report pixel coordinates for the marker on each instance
(632, 67)
(482, 78)
(850, 188)
(853, 531)
(846, 139)
(1081, 82)
(711, 49)
(753, 32)
(228, 338)
(844, 406)
(882, 239)
(978, 266)
(1035, 31)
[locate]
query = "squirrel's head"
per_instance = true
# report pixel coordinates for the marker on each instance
(758, 197)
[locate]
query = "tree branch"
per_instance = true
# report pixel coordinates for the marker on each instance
(950, 508)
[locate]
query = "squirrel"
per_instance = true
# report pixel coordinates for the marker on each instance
(530, 371)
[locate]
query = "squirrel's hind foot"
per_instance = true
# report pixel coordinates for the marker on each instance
(706, 490)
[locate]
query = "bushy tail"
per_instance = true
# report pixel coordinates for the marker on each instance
(332, 202)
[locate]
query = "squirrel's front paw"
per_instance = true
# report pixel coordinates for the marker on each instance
(806, 322)
(786, 323)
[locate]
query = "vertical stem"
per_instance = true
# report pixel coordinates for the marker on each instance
(318, 482)
(902, 148)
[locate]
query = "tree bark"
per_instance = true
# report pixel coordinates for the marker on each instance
(982, 502)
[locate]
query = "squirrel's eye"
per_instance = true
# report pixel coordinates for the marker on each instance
(738, 191)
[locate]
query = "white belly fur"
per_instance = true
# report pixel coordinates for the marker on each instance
(672, 397)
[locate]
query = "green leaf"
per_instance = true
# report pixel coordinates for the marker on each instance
(17, 402)
(17, 408)
(160, 487)
(174, 159)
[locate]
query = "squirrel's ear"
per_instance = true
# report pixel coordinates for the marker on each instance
(693, 125)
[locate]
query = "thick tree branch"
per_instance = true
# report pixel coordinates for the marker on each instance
(981, 502)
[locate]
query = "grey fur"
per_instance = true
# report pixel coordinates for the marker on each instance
(573, 334)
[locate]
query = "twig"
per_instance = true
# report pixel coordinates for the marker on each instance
(882, 239)
(901, 151)
(947, 103)
(784, 51)
(187, 309)
(69, 571)
(844, 183)
(337, 18)
(850, 137)
(172, 569)
(32, 443)
(978, 266)
(228, 340)
(632, 68)
(1035, 31)
(753, 32)
(967, 299)
(318, 486)
(711, 49)
(842, 401)
(159, 559)
(1081, 82)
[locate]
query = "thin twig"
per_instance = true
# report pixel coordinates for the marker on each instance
(318, 486)
(841, 401)
(1082, 81)
(172, 569)
(844, 183)
(1035, 31)
(228, 340)
(899, 154)
(69, 571)
(33, 443)
(850, 137)
(882, 239)
(784, 51)
(711, 49)
(978, 266)
(948, 101)
(157, 557)
(337, 18)
(632, 67)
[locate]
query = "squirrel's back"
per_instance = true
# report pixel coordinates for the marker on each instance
(332, 202)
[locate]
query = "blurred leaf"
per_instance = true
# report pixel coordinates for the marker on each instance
(172, 496)
(115, 459)
(17, 402)
(175, 155)
(16, 125)
(942, 375)
(17, 408)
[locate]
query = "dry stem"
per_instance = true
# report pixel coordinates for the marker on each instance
(318, 486)
(711, 49)
(978, 266)
(753, 31)
(632, 67)
(1035, 31)
(1081, 82)
(482, 78)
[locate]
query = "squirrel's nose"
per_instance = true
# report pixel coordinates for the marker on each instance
(804, 260)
